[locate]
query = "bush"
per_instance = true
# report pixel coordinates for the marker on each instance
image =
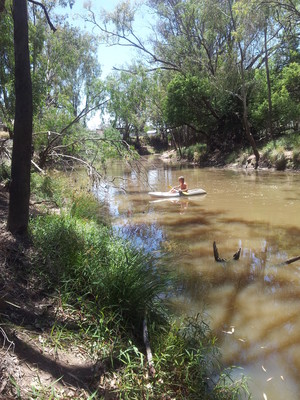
(296, 159)
(85, 206)
(280, 162)
(42, 186)
(193, 153)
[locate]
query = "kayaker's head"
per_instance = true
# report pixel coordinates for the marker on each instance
(181, 179)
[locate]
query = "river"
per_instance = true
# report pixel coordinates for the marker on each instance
(253, 304)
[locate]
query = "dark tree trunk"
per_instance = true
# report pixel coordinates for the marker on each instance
(21, 155)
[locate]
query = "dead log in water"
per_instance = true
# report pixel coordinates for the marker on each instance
(236, 255)
(288, 261)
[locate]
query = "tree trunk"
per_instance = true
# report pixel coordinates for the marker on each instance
(247, 129)
(244, 91)
(18, 216)
(270, 110)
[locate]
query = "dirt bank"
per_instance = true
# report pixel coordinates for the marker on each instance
(30, 356)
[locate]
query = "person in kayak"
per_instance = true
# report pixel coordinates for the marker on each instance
(182, 187)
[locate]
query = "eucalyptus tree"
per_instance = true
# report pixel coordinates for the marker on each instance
(127, 105)
(66, 85)
(21, 155)
(7, 98)
(22, 137)
(71, 65)
(183, 42)
(277, 46)
(212, 49)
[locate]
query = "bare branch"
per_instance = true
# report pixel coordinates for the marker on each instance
(135, 42)
(63, 132)
(37, 3)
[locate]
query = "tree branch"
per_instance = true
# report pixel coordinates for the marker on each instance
(135, 42)
(37, 3)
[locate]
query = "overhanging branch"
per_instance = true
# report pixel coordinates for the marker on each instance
(37, 3)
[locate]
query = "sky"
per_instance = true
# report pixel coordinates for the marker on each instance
(109, 57)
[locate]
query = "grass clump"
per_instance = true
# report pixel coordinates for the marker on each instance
(86, 260)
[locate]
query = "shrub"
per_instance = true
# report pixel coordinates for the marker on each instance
(86, 206)
(296, 159)
(193, 153)
(280, 162)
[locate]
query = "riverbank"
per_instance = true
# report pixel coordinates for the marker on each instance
(281, 155)
(73, 306)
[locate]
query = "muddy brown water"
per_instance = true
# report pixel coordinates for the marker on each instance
(253, 305)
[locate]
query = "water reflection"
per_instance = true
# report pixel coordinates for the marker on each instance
(253, 304)
(139, 235)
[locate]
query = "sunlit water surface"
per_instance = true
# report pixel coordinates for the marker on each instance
(252, 304)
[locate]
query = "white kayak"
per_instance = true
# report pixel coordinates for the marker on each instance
(190, 192)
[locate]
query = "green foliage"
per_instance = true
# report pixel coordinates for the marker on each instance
(4, 173)
(127, 106)
(42, 186)
(296, 159)
(184, 102)
(284, 96)
(193, 153)
(85, 206)
(284, 152)
(45, 189)
(113, 147)
(7, 95)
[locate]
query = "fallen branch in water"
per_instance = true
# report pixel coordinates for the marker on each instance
(236, 255)
(289, 261)
(148, 348)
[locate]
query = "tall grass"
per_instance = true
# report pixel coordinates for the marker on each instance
(86, 260)
(186, 363)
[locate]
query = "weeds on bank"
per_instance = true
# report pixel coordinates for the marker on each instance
(107, 287)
